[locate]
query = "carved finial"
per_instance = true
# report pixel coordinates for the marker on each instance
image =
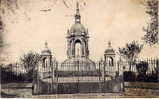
(46, 45)
(77, 15)
(109, 44)
(77, 7)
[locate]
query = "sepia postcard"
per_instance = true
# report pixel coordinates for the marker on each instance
(79, 49)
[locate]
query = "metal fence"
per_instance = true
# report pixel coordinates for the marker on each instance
(13, 82)
(103, 78)
(141, 70)
(13, 73)
(60, 79)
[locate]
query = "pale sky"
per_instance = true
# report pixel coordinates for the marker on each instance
(120, 21)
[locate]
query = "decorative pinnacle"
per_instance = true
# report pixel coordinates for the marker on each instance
(46, 45)
(77, 8)
(109, 44)
(77, 15)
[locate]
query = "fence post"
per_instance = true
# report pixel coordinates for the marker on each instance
(52, 74)
(100, 80)
(123, 70)
(0, 79)
(157, 66)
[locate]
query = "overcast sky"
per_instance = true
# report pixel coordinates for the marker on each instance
(120, 21)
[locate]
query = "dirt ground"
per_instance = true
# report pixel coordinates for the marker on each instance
(24, 91)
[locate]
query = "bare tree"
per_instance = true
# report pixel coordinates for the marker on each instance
(130, 52)
(151, 36)
(30, 60)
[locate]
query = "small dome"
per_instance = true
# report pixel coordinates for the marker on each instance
(46, 50)
(78, 28)
(109, 50)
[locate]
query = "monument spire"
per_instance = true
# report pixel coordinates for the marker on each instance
(77, 15)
